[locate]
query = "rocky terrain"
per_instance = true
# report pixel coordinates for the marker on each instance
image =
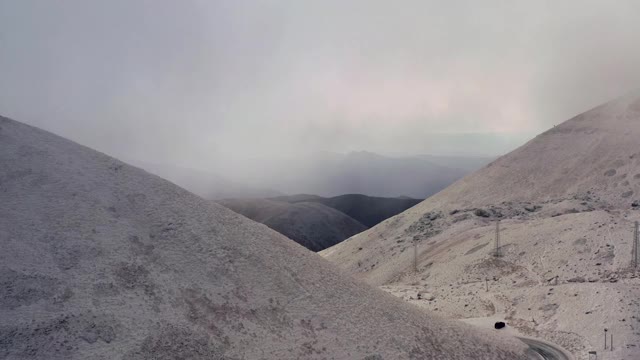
(101, 260)
(566, 202)
(310, 224)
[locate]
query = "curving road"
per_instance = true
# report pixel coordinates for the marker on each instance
(545, 350)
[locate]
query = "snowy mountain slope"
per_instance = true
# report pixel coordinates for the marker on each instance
(101, 260)
(567, 202)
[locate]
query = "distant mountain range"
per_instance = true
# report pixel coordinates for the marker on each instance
(325, 174)
(330, 174)
(316, 222)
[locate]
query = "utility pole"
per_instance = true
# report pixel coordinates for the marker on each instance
(498, 254)
(634, 260)
(611, 342)
(415, 256)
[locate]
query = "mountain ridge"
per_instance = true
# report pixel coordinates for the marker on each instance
(310, 224)
(368, 210)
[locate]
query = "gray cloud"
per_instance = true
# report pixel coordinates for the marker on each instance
(200, 82)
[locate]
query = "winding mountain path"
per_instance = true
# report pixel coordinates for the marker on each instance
(546, 350)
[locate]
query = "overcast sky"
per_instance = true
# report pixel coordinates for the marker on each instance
(193, 82)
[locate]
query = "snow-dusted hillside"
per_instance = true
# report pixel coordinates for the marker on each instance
(567, 201)
(101, 260)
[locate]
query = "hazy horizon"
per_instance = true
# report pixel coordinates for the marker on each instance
(211, 85)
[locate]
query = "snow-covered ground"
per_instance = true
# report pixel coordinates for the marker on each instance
(567, 202)
(101, 260)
